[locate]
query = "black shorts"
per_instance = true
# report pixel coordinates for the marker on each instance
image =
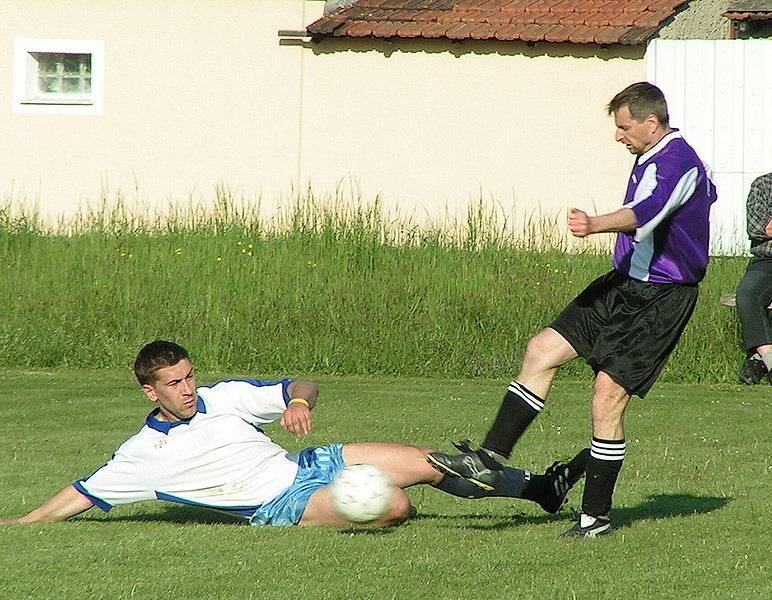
(627, 328)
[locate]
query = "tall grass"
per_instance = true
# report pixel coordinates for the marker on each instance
(325, 286)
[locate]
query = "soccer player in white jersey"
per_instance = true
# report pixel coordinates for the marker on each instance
(204, 446)
(625, 323)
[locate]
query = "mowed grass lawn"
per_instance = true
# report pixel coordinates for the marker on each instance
(692, 506)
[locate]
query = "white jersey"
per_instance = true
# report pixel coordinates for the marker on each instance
(219, 458)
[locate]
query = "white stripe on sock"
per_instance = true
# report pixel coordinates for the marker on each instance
(529, 398)
(612, 451)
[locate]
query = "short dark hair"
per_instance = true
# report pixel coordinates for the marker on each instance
(642, 99)
(154, 356)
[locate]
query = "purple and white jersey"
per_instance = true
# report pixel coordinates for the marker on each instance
(670, 192)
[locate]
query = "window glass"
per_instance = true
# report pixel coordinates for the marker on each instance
(63, 73)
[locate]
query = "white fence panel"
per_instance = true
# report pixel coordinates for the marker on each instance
(720, 95)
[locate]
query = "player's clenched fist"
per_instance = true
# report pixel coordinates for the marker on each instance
(578, 222)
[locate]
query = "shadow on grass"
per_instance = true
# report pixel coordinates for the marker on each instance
(659, 506)
(172, 514)
(187, 515)
(667, 506)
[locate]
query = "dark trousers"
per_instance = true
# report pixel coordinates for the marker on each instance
(754, 293)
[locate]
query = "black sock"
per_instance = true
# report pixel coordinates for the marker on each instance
(519, 407)
(605, 462)
(513, 483)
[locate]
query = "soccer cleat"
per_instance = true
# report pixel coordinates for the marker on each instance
(562, 478)
(597, 527)
(752, 371)
(476, 466)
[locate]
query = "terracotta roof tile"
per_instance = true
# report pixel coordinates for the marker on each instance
(609, 35)
(749, 16)
(559, 33)
(550, 18)
(634, 35)
(601, 18)
(585, 35)
(576, 21)
(411, 29)
(386, 28)
(508, 33)
(649, 19)
(523, 18)
(436, 29)
(534, 32)
(358, 29)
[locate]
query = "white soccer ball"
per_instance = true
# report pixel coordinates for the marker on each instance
(362, 493)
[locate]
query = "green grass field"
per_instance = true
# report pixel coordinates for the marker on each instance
(692, 505)
(336, 290)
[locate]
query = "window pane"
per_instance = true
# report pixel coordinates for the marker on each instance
(63, 73)
(71, 85)
(47, 63)
(76, 64)
(48, 85)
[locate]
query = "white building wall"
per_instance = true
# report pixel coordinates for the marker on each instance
(198, 93)
(720, 94)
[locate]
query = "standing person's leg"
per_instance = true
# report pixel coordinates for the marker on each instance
(522, 403)
(573, 333)
(628, 357)
(606, 456)
(754, 293)
(525, 396)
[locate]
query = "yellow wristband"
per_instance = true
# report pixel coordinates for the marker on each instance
(301, 400)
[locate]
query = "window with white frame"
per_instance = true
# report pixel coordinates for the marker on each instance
(59, 76)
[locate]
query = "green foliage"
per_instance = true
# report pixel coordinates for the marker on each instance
(338, 288)
(691, 507)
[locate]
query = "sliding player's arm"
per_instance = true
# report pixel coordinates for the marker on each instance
(67, 503)
(297, 418)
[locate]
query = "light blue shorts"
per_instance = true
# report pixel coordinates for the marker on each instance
(317, 467)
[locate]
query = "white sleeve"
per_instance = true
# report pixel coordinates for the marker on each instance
(256, 401)
(117, 482)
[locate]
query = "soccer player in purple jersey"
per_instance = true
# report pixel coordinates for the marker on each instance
(625, 323)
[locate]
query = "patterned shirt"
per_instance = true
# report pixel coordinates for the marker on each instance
(759, 213)
(670, 192)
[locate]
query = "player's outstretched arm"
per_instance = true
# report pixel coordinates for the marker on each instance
(581, 224)
(67, 503)
(297, 418)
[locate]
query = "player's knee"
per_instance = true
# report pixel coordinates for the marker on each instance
(538, 353)
(609, 400)
(401, 508)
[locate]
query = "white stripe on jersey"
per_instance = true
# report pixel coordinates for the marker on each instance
(682, 191)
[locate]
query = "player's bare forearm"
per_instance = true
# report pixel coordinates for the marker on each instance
(306, 390)
(67, 503)
(297, 418)
(581, 224)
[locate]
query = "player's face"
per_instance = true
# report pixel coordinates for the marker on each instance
(175, 391)
(637, 136)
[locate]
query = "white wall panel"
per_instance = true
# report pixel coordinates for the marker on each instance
(720, 95)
